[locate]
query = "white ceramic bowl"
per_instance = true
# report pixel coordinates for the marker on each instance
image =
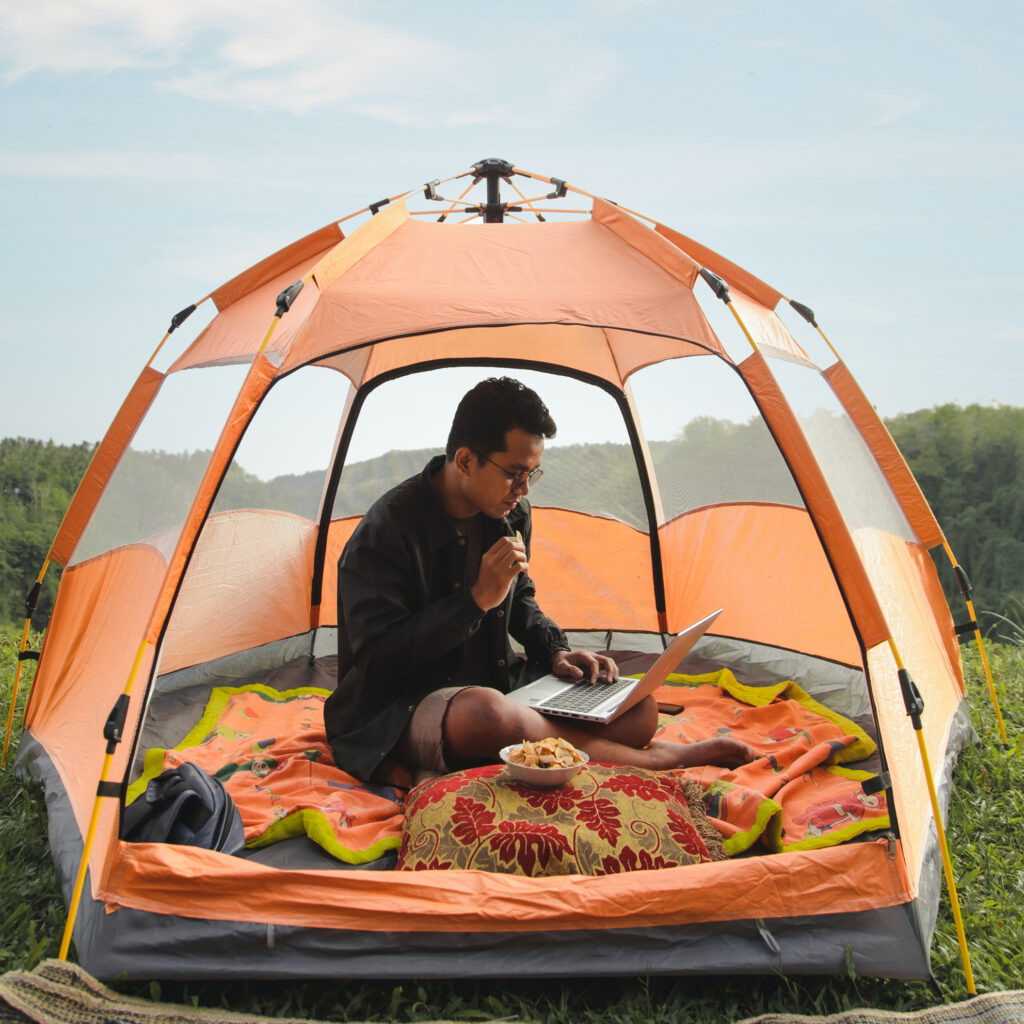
(540, 778)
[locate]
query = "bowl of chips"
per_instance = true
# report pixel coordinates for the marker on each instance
(544, 764)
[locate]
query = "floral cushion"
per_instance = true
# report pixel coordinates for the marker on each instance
(606, 820)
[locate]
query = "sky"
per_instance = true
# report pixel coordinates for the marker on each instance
(862, 157)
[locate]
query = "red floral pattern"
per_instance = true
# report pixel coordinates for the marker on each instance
(471, 820)
(528, 844)
(607, 820)
(630, 860)
(601, 815)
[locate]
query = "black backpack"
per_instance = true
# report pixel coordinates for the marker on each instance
(185, 805)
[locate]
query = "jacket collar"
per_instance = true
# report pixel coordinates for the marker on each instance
(441, 527)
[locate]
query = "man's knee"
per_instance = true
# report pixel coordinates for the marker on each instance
(478, 719)
(637, 726)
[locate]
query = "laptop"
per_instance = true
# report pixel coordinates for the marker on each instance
(604, 702)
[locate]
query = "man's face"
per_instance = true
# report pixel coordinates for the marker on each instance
(488, 483)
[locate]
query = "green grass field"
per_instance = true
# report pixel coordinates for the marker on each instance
(986, 833)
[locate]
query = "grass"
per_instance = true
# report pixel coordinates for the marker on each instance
(986, 831)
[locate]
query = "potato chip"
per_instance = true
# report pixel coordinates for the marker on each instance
(551, 752)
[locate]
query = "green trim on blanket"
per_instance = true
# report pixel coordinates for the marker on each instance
(768, 822)
(313, 823)
(307, 821)
(760, 696)
(864, 746)
(755, 696)
(153, 763)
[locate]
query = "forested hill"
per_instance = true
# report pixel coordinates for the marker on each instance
(969, 462)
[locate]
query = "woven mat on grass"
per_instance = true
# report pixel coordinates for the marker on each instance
(57, 992)
(994, 1008)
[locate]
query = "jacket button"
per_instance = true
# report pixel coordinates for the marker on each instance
(462, 542)
(457, 585)
(412, 707)
(501, 613)
(501, 663)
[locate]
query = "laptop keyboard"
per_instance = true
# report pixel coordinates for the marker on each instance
(586, 696)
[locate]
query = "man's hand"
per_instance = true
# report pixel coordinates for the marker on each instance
(499, 567)
(580, 665)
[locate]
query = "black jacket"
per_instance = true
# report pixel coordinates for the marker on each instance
(404, 614)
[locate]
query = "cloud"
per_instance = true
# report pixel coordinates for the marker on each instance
(107, 165)
(316, 57)
(65, 36)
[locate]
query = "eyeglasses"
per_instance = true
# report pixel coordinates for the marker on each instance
(517, 479)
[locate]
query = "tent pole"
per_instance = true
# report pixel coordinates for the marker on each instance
(912, 700)
(23, 655)
(112, 733)
(115, 723)
(963, 582)
(966, 591)
(915, 705)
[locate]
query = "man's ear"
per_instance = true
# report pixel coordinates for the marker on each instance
(464, 460)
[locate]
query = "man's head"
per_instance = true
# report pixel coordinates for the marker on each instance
(490, 410)
(494, 447)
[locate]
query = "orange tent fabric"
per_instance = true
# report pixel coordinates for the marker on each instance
(598, 299)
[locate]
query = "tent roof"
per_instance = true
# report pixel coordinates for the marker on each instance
(396, 277)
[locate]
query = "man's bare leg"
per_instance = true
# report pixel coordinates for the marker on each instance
(480, 721)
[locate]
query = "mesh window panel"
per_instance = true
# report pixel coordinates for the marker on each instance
(152, 489)
(588, 467)
(708, 442)
(861, 490)
(284, 456)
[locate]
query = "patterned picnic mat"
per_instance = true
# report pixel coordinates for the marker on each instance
(57, 992)
(992, 1008)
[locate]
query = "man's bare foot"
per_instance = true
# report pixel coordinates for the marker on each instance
(721, 750)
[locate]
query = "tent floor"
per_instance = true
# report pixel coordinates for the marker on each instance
(180, 697)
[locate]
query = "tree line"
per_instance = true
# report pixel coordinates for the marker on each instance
(968, 461)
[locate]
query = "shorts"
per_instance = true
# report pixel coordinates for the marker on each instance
(422, 744)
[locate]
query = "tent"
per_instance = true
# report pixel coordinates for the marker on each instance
(805, 525)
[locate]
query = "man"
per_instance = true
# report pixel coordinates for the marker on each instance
(430, 586)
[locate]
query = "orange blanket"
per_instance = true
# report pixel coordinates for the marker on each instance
(268, 748)
(797, 795)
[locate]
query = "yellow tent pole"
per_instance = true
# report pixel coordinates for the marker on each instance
(115, 722)
(112, 734)
(961, 576)
(915, 705)
(176, 321)
(721, 290)
(912, 700)
(23, 656)
(966, 590)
